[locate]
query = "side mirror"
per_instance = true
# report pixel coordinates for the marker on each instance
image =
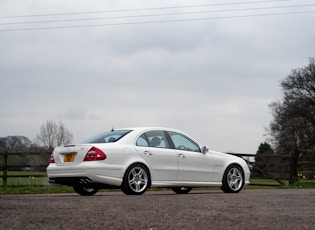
(204, 149)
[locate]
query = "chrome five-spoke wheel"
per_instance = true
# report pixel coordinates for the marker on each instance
(136, 180)
(233, 179)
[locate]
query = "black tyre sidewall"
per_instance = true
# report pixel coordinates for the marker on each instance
(181, 190)
(85, 190)
(225, 187)
(125, 184)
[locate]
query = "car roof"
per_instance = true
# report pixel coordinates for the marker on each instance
(139, 130)
(147, 128)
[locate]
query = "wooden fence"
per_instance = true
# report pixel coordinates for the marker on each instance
(7, 165)
(279, 170)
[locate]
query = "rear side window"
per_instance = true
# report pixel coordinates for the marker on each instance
(155, 139)
(107, 137)
(142, 141)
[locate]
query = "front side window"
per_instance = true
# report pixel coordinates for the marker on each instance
(107, 137)
(182, 142)
(156, 139)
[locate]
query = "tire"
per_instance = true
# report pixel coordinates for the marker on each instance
(136, 180)
(85, 189)
(181, 190)
(233, 179)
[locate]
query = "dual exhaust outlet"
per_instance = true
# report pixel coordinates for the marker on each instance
(80, 181)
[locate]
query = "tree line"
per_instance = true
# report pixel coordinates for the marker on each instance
(51, 134)
(292, 130)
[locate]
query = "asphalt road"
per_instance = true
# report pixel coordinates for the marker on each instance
(200, 209)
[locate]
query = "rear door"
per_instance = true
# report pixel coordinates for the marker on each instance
(153, 146)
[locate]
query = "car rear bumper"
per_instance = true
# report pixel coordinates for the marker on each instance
(69, 175)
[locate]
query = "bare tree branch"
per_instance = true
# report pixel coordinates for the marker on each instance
(52, 135)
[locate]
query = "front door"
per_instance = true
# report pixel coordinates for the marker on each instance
(193, 165)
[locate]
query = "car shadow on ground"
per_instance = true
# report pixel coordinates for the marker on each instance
(161, 193)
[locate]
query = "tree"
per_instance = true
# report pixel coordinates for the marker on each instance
(262, 162)
(293, 127)
(52, 134)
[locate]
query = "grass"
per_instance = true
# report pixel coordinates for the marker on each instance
(37, 183)
(30, 183)
(25, 178)
(302, 183)
(269, 183)
(263, 184)
(35, 189)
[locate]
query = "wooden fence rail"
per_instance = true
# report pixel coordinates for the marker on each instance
(279, 175)
(280, 167)
(6, 166)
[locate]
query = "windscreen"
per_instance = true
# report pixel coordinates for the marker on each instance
(107, 137)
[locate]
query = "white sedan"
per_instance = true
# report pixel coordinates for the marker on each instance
(135, 159)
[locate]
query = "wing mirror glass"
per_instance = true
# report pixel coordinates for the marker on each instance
(204, 149)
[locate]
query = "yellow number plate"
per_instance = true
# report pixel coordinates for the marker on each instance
(69, 157)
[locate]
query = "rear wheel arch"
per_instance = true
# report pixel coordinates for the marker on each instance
(126, 185)
(144, 165)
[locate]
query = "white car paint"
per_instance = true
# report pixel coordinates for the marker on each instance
(168, 167)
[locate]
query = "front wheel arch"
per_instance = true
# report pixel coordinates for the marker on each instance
(233, 179)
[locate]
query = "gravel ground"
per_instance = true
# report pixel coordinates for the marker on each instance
(200, 209)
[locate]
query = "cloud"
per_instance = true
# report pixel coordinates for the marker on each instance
(74, 114)
(212, 79)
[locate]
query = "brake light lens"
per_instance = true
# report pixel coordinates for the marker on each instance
(95, 154)
(52, 160)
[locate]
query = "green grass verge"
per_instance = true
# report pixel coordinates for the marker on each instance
(269, 183)
(30, 183)
(300, 184)
(35, 189)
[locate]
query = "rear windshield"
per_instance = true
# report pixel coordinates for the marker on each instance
(107, 137)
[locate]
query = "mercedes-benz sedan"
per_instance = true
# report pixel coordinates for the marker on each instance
(135, 159)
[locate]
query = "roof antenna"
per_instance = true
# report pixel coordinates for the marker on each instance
(112, 129)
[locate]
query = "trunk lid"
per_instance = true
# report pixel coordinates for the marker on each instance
(70, 154)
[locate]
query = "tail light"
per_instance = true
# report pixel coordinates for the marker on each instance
(95, 154)
(52, 160)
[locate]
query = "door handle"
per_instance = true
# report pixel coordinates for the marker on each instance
(181, 155)
(148, 153)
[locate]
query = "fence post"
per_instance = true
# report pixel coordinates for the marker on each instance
(294, 165)
(5, 169)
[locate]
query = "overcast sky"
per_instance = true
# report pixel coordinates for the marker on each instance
(208, 68)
